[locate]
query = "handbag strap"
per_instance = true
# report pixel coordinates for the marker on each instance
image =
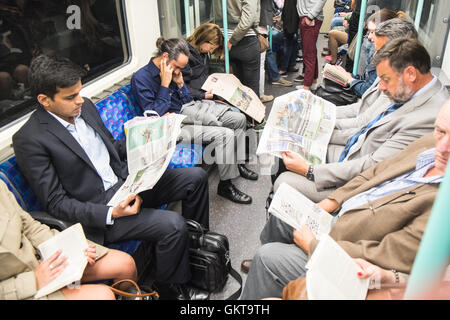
(238, 278)
(150, 113)
(128, 294)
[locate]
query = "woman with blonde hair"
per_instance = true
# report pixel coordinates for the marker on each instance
(206, 39)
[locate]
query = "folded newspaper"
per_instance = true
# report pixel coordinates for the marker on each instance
(299, 122)
(297, 210)
(151, 142)
(231, 89)
(332, 274)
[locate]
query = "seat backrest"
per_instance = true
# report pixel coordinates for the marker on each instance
(18, 185)
(115, 110)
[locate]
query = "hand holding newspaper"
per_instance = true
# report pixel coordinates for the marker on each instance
(296, 210)
(72, 242)
(336, 74)
(332, 274)
(151, 142)
(299, 122)
(231, 89)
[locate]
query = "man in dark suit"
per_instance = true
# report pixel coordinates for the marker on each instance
(75, 166)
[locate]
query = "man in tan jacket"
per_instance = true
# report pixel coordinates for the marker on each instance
(380, 216)
(22, 273)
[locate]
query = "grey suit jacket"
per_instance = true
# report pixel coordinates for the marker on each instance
(383, 140)
(351, 111)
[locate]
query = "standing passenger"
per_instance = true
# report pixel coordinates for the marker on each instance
(311, 18)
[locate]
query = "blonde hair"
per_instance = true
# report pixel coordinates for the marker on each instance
(208, 32)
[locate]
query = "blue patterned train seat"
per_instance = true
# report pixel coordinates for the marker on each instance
(119, 107)
(18, 185)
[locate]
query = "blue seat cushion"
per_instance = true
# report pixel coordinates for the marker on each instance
(18, 185)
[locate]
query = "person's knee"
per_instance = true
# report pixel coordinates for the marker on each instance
(197, 176)
(265, 257)
(128, 267)
(282, 178)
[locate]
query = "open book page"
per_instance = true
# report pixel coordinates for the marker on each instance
(299, 122)
(151, 143)
(296, 210)
(72, 242)
(335, 74)
(332, 274)
(231, 89)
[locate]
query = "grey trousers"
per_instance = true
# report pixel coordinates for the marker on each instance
(227, 142)
(303, 185)
(278, 261)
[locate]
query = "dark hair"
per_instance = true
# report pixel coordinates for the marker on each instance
(48, 73)
(402, 53)
(396, 28)
(172, 46)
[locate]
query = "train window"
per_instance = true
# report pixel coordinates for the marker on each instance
(173, 15)
(89, 32)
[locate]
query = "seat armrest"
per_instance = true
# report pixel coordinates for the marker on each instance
(45, 218)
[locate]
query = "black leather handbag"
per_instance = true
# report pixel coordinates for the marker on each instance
(209, 258)
(335, 93)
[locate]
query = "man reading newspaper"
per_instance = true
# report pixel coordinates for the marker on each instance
(380, 216)
(383, 130)
(74, 166)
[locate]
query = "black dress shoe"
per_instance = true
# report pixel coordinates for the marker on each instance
(180, 292)
(227, 190)
(246, 173)
(245, 265)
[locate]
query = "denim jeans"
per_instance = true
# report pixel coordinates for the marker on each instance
(271, 67)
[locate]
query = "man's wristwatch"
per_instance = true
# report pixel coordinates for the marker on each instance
(310, 174)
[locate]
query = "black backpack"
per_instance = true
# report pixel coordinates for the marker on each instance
(209, 259)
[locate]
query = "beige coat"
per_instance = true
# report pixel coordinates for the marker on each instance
(389, 233)
(20, 234)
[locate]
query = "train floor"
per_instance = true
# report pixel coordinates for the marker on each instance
(242, 224)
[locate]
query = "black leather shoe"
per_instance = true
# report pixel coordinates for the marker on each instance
(246, 173)
(227, 190)
(245, 265)
(180, 292)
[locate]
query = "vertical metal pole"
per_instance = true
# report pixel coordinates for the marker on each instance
(418, 14)
(270, 37)
(362, 15)
(225, 34)
(434, 251)
(187, 18)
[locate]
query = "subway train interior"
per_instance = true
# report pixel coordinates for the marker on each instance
(113, 39)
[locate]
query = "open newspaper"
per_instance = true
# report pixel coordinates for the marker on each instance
(299, 122)
(231, 89)
(72, 242)
(332, 274)
(296, 210)
(151, 142)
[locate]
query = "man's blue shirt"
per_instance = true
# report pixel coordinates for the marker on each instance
(150, 95)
